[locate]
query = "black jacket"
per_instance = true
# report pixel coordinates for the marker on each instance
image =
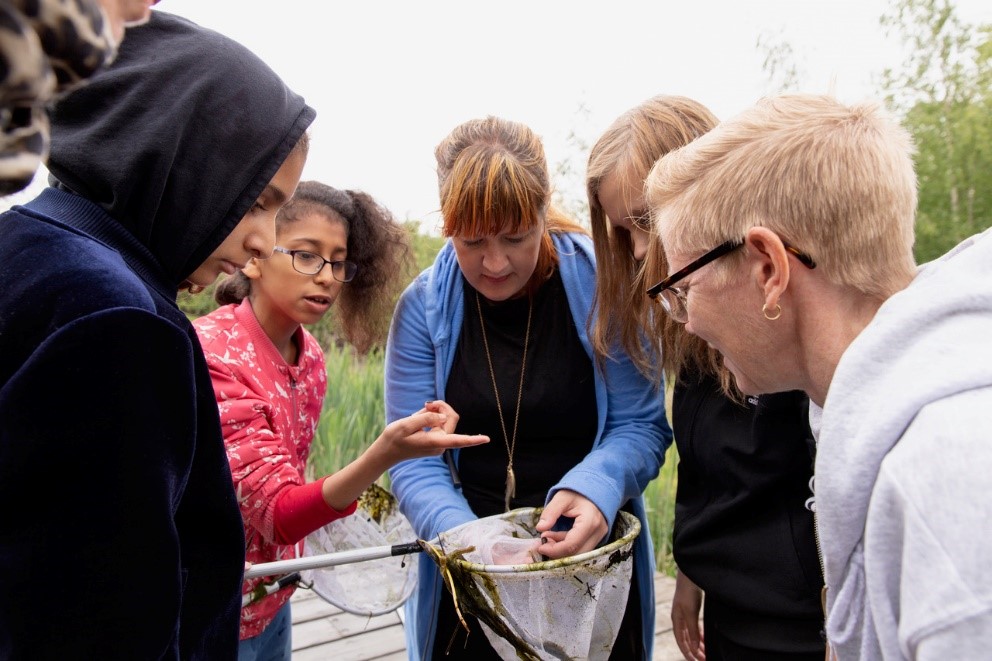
(121, 537)
(742, 531)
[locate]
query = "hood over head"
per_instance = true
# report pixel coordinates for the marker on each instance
(177, 139)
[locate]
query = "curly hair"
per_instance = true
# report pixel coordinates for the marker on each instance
(376, 243)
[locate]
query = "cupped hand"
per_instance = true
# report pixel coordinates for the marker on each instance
(588, 528)
(686, 604)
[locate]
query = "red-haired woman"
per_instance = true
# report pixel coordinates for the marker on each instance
(498, 327)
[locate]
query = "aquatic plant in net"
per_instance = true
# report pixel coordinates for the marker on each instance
(569, 608)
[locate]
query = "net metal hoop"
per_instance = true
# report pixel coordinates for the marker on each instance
(633, 531)
(371, 587)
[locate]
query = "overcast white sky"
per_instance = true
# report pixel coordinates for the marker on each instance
(390, 79)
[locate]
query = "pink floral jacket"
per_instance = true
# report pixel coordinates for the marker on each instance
(269, 412)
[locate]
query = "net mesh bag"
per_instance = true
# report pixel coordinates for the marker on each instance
(569, 608)
(371, 587)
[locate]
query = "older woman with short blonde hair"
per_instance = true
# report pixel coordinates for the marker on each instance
(789, 233)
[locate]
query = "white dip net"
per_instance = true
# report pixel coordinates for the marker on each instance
(570, 608)
(371, 587)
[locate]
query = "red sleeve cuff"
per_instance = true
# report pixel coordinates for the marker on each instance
(301, 509)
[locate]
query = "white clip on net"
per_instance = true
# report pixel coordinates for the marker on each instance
(569, 608)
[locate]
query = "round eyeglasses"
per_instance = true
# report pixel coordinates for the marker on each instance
(309, 263)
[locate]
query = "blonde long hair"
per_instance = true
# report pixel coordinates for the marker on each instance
(627, 150)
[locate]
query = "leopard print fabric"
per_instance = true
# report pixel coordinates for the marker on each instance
(47, 47)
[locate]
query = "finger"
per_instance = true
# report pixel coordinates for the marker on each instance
(419, 421)
(585, 536)
(555, 549)
(441, 406)
(682, 642)
(445, 441)
(687, 645)
(552, 512)
(550, 541)
(435, 442)
(574, 542)
(692, 633)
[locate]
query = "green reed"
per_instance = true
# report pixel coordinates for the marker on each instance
(354, 413)
(659, 501)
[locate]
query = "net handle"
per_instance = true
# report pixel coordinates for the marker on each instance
(331, 559)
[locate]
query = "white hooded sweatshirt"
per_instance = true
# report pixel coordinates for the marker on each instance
(904, 471)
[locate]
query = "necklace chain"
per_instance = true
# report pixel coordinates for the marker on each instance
(510, 441)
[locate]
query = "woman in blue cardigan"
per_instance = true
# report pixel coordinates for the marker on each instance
(498, 328)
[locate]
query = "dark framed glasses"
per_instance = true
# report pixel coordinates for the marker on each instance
(310, 263)
(674, 299)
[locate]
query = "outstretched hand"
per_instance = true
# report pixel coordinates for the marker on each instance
(426, 433)
(588, 529)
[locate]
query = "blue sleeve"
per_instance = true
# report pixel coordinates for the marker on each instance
(423, 486)
(632, 448)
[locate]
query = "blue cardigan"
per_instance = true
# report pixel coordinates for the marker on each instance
(122, 537)
(627, 453)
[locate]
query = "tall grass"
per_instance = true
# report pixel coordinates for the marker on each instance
(659, 500)
(354, 411)
(354, 416)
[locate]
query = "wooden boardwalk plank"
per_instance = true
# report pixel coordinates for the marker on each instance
(324, 632)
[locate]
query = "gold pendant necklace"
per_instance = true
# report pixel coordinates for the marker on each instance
(510, 441)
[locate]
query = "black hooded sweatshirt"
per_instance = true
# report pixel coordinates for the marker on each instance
(121, 536)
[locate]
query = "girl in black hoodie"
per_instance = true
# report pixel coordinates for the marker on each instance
(121, 536)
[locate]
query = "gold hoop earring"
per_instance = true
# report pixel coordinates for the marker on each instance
(777, 313)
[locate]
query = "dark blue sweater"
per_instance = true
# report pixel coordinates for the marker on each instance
(120, 536)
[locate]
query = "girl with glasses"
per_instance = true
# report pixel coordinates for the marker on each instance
(742, 534)
(269, 379)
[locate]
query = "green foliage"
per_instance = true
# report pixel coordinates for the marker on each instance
(779, 63)
(197, 305)
(659, 500)
(424, 246)
(954, 171)
(354, 412)
(944, 93)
